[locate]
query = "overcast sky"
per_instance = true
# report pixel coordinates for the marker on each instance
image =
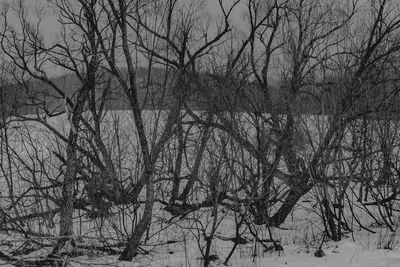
(50, 26)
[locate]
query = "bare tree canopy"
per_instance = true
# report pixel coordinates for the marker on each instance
(128, 122)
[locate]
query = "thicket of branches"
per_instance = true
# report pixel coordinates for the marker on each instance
(240, 113)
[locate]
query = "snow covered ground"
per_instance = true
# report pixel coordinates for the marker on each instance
(363, 252)
(344, 253)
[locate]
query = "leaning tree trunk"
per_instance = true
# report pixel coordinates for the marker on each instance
(131, 249)
(295, 193)
(67, 207)
(199, 157)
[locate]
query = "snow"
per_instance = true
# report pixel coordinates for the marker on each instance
(343, 253)
(346, 254)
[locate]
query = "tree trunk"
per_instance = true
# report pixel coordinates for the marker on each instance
(178, 163)
(67, 206)
(295, 193)
(131, 249)
(66, 228)
(195, 172)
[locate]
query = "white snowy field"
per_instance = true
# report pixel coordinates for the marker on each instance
(363, 252)
(359, 248)
(344, 253)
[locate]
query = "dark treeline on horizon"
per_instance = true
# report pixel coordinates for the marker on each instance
(314, 99)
